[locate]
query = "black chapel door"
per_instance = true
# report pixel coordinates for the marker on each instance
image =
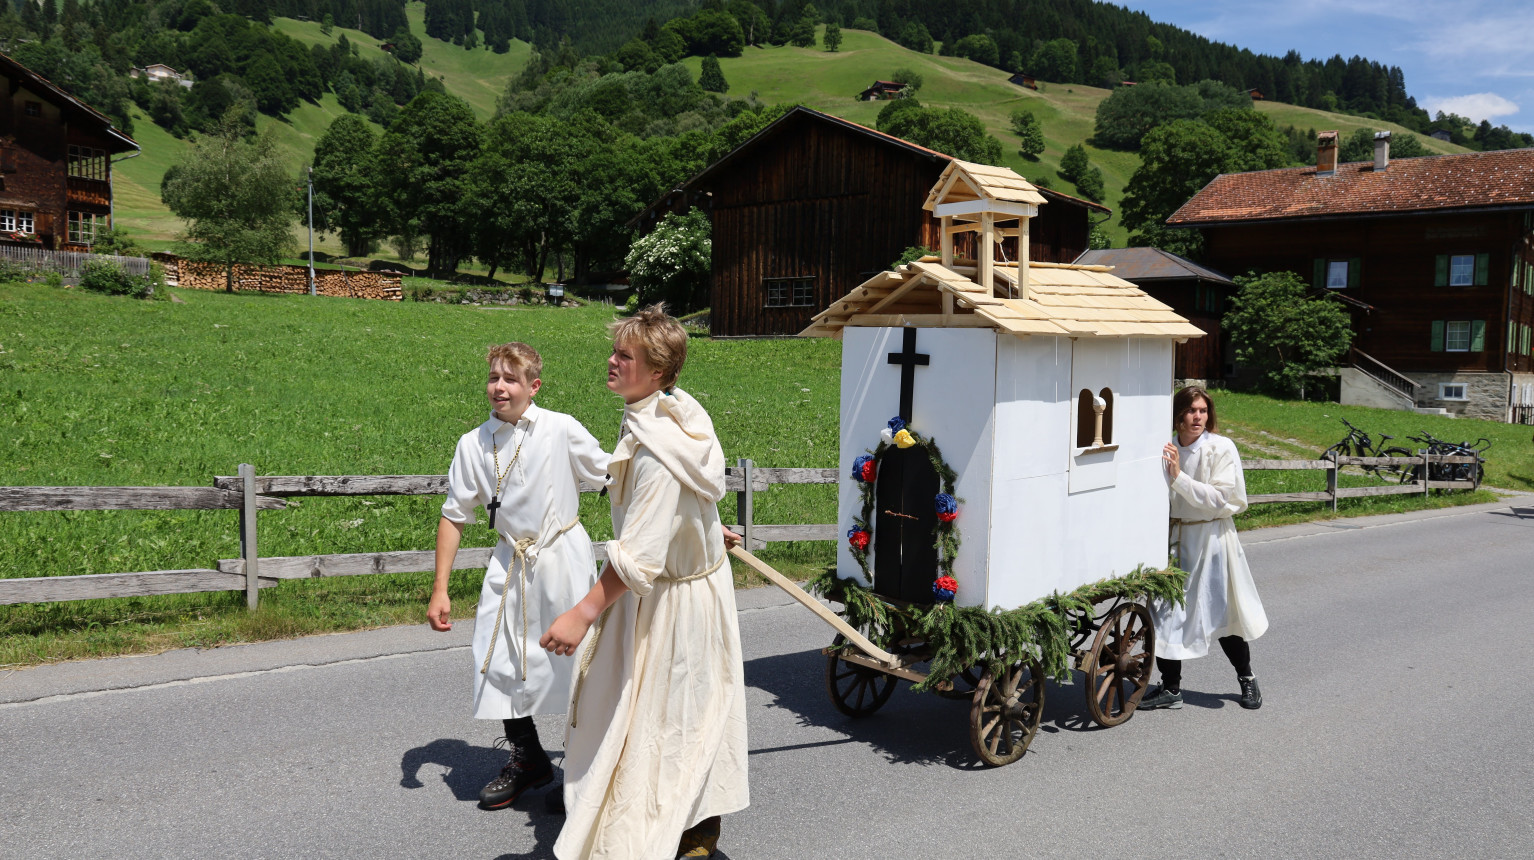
(905, 559)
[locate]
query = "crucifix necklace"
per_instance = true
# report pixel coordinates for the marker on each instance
(500, 476)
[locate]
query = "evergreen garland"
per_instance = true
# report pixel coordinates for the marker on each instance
(946, 536)
(961, 637)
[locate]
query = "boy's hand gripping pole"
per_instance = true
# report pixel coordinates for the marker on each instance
(837, 623)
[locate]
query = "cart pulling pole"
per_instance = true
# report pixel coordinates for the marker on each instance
(853, 636)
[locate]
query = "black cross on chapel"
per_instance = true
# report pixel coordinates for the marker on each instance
(908, 359)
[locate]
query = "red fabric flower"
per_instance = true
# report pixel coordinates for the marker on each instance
(870, 470)
(858, 540)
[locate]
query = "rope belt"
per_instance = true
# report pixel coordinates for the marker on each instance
(596, 633)
(519, 560)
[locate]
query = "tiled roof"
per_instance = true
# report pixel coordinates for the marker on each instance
(1470, 180)
(1063, 300)
(1149, 264)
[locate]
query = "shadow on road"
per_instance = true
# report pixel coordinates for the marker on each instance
(466, 770)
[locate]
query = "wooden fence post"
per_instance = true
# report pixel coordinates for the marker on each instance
(248, 536)
(744, 502)
(1331, 479)
(1427, 471)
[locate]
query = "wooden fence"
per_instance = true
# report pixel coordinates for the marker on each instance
(249, 493)
(68, 262)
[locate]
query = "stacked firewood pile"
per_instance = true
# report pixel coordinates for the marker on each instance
(289, 279)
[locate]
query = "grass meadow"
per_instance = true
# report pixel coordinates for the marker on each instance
(108, 391)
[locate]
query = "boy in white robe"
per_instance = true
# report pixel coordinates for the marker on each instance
(1208, 489)
(655, 751)
(525, 466)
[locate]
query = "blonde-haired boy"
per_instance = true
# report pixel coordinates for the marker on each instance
(656, 748)
(525, 466)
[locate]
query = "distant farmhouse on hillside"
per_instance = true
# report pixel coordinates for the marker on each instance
(1025, 81)
(814, 205)
(883, 91)
(157, 72)
(55, 164)
(1433, 257)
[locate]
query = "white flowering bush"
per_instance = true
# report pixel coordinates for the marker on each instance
(672, 263)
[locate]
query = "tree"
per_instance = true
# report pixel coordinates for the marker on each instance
(1026, 126)
(978, 47)
(1276, 328)
(1256, 144)
(423, 163)
(711, 77)
(910, 78)
(1176, 160)
(327, 24)
(833, 37)
(407, 48)
(523, 186)
(914, 35)
(1076, 169)
(1056, 61)
(345, 193)
(235, 196)
(1359, 146)
(672, 263)
(802, 34)
(1129, 113)
(952, 131)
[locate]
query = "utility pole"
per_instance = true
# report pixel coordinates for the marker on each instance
(311, 231)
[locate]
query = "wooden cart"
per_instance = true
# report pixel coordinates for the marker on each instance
(1113, 646)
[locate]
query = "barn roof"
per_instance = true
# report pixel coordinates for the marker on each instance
(1503, 178)
(802, 114)
(1150, 264)
(64, 101)
(1063, 300)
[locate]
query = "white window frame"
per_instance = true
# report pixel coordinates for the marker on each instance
(1447, 391)
(81, 227)
(25, 222)
(8, 220)
(1450, 327)
(1462, 276)
(1336, 274)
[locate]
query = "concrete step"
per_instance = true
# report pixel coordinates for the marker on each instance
(1432, 410)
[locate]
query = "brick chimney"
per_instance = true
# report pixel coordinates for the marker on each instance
(1326, 153)
(1381, 150)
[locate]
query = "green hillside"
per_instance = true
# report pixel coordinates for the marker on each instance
(830, 83)
(810, 76)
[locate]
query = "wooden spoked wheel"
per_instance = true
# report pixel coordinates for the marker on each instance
(1005, 712)
(856, 691)
(1118, 667)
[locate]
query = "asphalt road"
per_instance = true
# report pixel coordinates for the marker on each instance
(1397, 724)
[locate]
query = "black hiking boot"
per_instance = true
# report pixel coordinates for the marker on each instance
(1251, 695)
(528, 767)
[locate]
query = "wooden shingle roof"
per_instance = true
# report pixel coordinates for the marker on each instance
(966, 180)
(1063, 300)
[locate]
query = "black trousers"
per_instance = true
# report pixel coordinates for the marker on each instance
(1236, 649)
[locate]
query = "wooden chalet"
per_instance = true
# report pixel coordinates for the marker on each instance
(814, 205)
(882, 91)
(1433, 257)
(1255, 94)
(55, 164)
(1025, 81)
(1196, 293)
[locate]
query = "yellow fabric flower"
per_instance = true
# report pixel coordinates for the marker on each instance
(903, 439)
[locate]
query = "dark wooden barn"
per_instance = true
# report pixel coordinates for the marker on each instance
(1433, 258)
(1195, 292)
(814, 205)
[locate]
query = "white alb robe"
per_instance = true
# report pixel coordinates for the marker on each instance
(1222, 599)
(539, 497)
(657, 735)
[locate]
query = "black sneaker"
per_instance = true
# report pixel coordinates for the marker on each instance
(528, 767)
(1159, 697)
(1251, 696)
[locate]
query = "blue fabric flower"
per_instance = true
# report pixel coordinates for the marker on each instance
(896, 424)
(860, 467)
(947, 507)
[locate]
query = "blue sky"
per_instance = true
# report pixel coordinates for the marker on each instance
(1470, 57)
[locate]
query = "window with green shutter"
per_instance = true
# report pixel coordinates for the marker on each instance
(1478, 335)
(1482, 269)
(1435, 342)
(1441, 271)
(1461, 270)
(1318, 280)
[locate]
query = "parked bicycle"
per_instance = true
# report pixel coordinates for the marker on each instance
(1359, 444)
(1450, 471)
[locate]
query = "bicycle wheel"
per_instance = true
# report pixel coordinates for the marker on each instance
(1401, 472)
